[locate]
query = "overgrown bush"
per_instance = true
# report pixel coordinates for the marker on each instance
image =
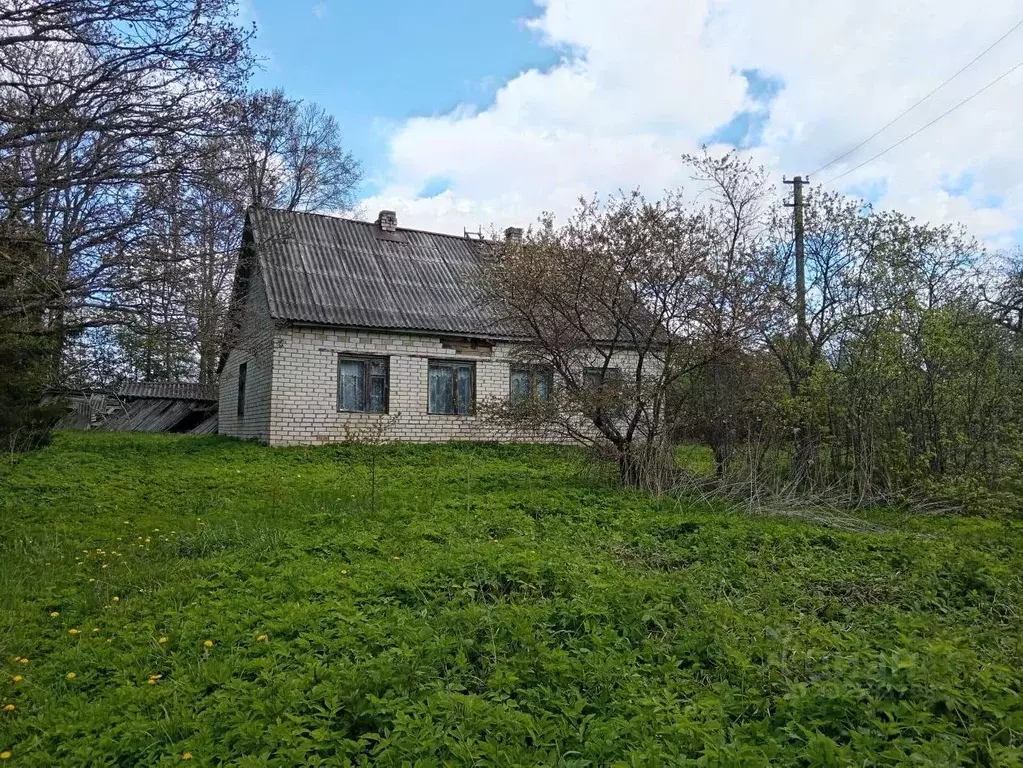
(28, 349)
(25, 423)
(902, 380)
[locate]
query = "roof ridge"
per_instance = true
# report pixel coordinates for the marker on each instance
(369, 223)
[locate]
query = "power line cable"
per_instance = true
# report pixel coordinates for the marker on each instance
(943, 115)
(902, 114)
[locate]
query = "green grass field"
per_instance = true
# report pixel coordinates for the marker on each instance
(176, 598)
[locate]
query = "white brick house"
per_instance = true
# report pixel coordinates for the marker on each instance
(345, 328)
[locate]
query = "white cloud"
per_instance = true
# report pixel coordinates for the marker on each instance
(644, 81)
(320, 10)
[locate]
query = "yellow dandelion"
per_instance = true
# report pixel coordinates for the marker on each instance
(23, 661)
(208, 643)
(186, 756)
(396, 558)
(344, 572)
(261, 639)
(74, 631)
(8, 707)
(116, 599)
(91, 580)
(70, 675)
(5, 755)
(17, 658)
(162, 640)
(54, 614)
(17, 679)
(95, 629)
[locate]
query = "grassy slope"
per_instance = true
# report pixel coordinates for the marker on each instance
(495, 606)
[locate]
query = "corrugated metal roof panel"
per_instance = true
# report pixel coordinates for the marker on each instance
(332, 271)
(178, 390)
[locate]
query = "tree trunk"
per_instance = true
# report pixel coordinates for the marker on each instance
(630, 468)
(807, 455)
(647, 466)
(720, 459)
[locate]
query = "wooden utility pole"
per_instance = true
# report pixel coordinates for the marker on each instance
(806, 435)
(797, 207)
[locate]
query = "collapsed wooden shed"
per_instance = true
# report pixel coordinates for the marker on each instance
(162, 406)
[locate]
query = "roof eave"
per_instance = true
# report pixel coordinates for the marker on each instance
(446, 333)
(413, 331)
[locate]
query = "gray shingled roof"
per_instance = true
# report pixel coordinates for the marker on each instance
(331, 271)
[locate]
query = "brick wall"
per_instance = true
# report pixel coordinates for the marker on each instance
(291, 384)
(254, 347)
(305, 388)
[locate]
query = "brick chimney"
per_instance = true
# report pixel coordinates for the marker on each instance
(513, 235)
(388, 221)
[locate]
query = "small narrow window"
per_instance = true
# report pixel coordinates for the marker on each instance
(362, 384)
(451, 388)
(243, 371)
(530, 383)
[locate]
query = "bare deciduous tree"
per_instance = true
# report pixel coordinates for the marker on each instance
(293, 155)
(737, 299)
(651, 292)
(1005, 299)
(594, 301)
(99, 102)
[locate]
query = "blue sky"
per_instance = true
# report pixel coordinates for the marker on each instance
(480, 113)
(375, 65)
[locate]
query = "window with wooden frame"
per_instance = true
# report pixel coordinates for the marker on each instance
(530, 382)
(451, 387)
(594, 378)
(362, 384)
(243, 372)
